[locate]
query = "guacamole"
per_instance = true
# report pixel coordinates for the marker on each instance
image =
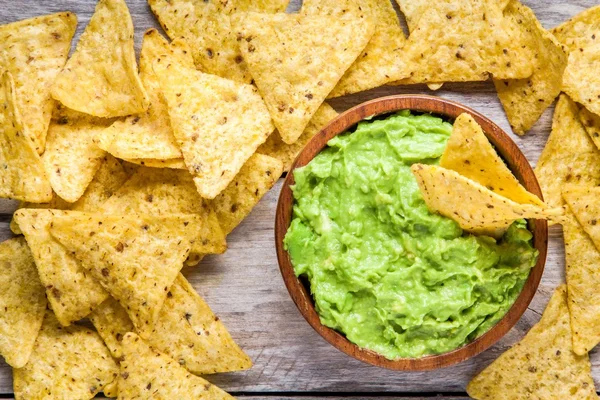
(392, 276)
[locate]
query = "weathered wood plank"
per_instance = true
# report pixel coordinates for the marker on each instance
(244, 287)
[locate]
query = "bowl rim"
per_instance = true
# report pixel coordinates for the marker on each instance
(517, 163)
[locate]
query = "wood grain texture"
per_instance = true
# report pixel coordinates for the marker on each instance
(244, 285)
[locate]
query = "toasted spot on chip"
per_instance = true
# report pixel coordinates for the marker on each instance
(473, 206)
(36, 49)
(144, 369)
(380, 58)
(22, 301)
(524, 100)
(72, 362)
(135, 258)
(22, 174)
(101, 76)
(218, 123)
(541, 365)
(286, 153)
(470, 153)
(286, 52)
(570, 156)
(71, 292)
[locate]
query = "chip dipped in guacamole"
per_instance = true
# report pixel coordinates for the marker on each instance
(391, 275)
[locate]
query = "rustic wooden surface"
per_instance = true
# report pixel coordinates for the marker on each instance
(245, 288)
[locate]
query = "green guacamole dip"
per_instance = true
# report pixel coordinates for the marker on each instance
(392, 276)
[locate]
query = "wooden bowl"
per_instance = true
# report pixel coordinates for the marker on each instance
(516, 161)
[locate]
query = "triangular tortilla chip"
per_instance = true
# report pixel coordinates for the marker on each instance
(471, 205)
(570, 156)
(218, 123)
(22, 301)
(579, 81)
(296, 61)
(591, 123)
(465, 41)
(72, 158)
(254, 180)
(579, 31)
(217, 53)
(286, 153)
(144, 371)
(524, 100)
(471, 154)
(71, 292)
(187, 330)
(162, 192)
(22, 174)
(36, 49)
(542, 365)
(583, 203)
(70, 362)
(174, 163)
(101, 76)
(148, 135)
(583, 277)
(380, 59)
(136, 259)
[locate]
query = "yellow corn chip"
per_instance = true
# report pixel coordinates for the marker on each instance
(66, 363)
(163, 192)
(71, 292)
(266, 6)
(254, 180)
(579, 31)
(130, 168)
(542, 365)
(286, 153)
(36, 49)
(524, 100)
(570, 156)
(146, 371)
(582, 269)
(174, 163)
(296, 61)
(583, 202)
(471, 154)
(579, 81)
(471, 205)
(22, 174)
(111, 390)
(380, 59)
(591, 123)
(72, 158)
(136, 259)
(148, 135)
(218, 123)
(23, 302)
(101, 77)
(186, 330)
(465, 41)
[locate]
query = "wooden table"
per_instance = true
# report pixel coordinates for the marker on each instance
(244, 287)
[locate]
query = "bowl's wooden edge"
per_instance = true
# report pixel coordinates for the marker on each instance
(516, 162)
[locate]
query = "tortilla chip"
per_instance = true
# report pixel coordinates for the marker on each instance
(111, 390)
(161, 192)
(71, 158)
(218, 123)
(542, 365)
(144, 369)
(136, 259)
(579, 80)
(23, 302)
(286, 153)
(470, 153)
(175, 163)
(186, 330)
(71, 292)
(67, 362)
(465, 41)
(296, 61)
(22, 174)
(579, 31)
(591, 123)
(583, 202)
(570, 156)
(148, 135)
(381, 57)
(524, 100)
(471, 205)
(36, 49)
(254, 180)
(101, 77)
